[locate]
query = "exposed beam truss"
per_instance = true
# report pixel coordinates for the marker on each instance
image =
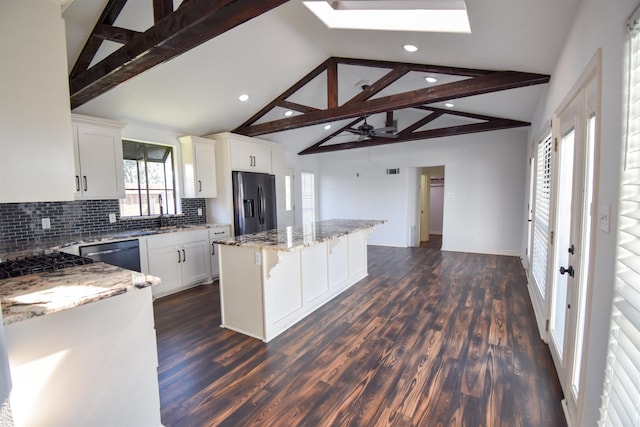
(362, 105)
(173, 33)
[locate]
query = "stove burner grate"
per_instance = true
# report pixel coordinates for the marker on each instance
(40, 263)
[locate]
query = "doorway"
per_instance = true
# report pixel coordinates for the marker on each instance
(431, 207)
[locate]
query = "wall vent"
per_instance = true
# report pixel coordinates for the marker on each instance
(395, 171)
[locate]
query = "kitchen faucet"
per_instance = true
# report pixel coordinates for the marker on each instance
(161, 210)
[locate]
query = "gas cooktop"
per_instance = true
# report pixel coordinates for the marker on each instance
(39, 263)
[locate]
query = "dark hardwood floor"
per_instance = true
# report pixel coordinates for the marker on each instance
(429, 338)
(434, 242)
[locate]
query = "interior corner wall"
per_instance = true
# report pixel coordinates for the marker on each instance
(598, 25)
(484, 183)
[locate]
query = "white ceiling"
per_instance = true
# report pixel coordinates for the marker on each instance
(197, 92)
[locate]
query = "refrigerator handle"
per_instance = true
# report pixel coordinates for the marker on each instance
(261, 204)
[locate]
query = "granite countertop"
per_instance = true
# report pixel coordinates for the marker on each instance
(40, 294)
(300, 236)
(80, 239)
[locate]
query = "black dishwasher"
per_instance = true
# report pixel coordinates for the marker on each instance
(125, 254)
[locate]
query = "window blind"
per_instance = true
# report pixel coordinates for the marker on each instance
(308, 198)
(541, 208)
(621, 388)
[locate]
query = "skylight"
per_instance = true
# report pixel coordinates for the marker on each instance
(394, 15)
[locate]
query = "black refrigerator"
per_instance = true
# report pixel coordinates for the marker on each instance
(254, 202)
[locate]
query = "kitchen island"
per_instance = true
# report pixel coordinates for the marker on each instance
(81, 347)
(273, 279)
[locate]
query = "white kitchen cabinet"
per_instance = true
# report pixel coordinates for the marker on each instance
(35, 119)
(180, 259)
(250, 157)
(98, 158)
(216, 233)
(199, 167)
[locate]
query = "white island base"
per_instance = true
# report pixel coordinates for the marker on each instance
(264, 291)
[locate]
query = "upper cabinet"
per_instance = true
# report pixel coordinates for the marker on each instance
(199, 163)
(35, 118)
(250, 157)
(98, 158)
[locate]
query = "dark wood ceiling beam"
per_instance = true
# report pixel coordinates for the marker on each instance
(189, 26)
(115, 34)
(497, 124)
(162, 9)
(336, 133)
(284, 95)
(494, 82)
(423, 68)
(417, 125)
(332, 84)
(456, 113)
(380, 84)
(107, 17)
(295, 106)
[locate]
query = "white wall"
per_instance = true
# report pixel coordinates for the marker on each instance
(598, 25)
(483, 205)
(6, 419)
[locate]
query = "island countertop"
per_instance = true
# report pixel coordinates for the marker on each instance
(34, 295)
(300, 236)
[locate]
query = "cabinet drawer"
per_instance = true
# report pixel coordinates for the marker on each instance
(176, 238)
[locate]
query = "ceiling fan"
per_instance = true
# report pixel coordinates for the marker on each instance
(366, 131)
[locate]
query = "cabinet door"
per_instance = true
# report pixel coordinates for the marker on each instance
(250, 157)
(215, 233)
(205, 162)
(99, 164)
(165, 263)
(195, 262)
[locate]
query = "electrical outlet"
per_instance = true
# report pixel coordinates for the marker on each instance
(199, 211)
(112, 218)
(46, 223)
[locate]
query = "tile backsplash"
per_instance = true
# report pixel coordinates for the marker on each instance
(21, 223)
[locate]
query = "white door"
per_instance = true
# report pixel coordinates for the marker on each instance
(572, 246)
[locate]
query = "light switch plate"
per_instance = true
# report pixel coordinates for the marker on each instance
(46, 223)
(604, 217)
(199, 211)
(112, 218)
(258, 258)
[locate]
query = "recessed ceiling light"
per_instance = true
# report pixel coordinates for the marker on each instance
(288, 113)
(393, 15)
(327, 127)
(449, 105)
(431, 79)
(410, 48)
(244, 97)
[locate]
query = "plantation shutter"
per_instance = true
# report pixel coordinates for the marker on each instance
(541, 208)
(308, 198)
(621, 393)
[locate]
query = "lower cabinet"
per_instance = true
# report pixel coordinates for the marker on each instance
(180, 259)
(216, 233)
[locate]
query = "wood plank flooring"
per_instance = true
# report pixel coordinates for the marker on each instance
(429, 338)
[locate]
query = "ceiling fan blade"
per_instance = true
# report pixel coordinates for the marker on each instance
(355, 131)
(384, 135)
(387, 129)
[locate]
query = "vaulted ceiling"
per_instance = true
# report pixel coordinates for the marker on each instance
(272, 56)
